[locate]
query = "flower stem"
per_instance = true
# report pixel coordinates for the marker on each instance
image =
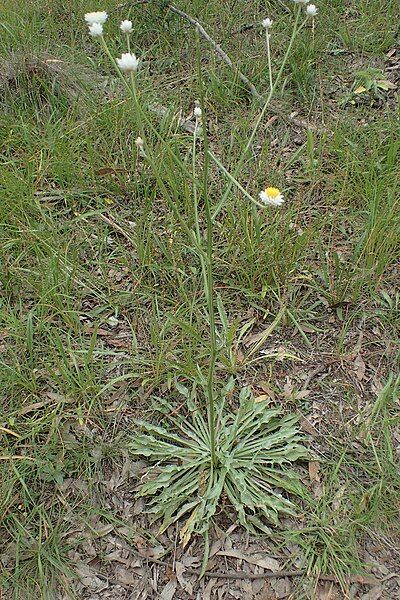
(239, 165)
(271, 84)
(207, 268)
(141, 118)
(209, 290)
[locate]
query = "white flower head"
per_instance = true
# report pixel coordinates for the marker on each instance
(311, 10)
(197, 112)
(96, 17)
(271, 196)
(267, 23)
(126, 26)
(128, 62)
(96, 29)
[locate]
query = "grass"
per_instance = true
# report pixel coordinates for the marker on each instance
(102, 307)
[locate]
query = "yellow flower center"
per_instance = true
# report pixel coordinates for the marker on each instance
(272, 192)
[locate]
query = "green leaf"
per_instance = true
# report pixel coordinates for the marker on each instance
(254, 445)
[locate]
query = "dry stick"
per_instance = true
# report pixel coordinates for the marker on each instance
(244, 575)
(115, 225)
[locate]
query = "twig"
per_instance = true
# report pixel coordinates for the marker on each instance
(115, 225)
(269, 575)
(311, 376)
(279, 574)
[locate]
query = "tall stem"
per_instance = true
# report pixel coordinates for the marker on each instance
(207, 268)
(271, 84)
(209, 291)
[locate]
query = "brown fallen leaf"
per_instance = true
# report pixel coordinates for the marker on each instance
(313, 470)
(267, 389)
(155, 552)
(364, 579)
(89, 578)
(263, 398)
(31, 407)
(208, 589)
(124, 576)
(265, 562)
(185, 585)
(308, 427)
(359, 367)
(374, 593)
(255, 337)
(103, 530)
(169, 591)
(282, 587)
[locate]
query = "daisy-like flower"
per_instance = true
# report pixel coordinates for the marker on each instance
(267, 23)
(96, 29)
(271, 196)
(128, 62)
(126, 26)
(197, 112)
(311, 10)
(96, 17)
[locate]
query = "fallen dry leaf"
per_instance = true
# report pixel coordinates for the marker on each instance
(374, 593)
(262, 398)
(264, 562)
(124, 576)
(169, 591)
(103, 530)
(359, 367)
(185, 585)
(307, 427)
(313, 470)
(255, 337)
(208, 589)
(282, 587)
(267, 389)
(89, 578)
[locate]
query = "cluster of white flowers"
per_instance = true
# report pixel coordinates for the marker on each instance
(311, 11)
(140, 147)
(96, 17)
(128, 61)
(96, 20)
(96, 29)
